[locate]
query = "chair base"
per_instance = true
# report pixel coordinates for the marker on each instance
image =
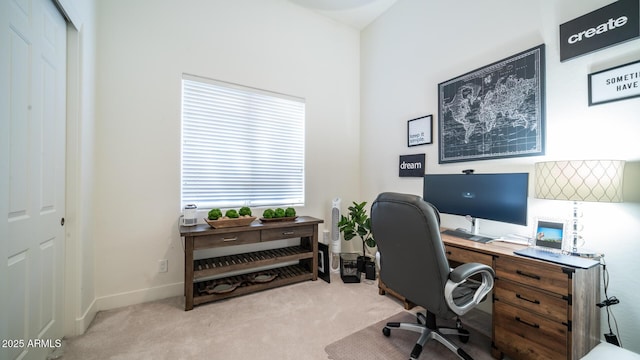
(427, 328)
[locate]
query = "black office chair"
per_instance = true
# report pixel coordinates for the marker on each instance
(413, 263)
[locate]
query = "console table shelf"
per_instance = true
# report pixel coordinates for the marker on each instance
(285, 276)
(242, 268)
(223, 264)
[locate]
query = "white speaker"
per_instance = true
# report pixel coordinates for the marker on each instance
(336, 245)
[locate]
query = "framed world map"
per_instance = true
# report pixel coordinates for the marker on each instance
(497, 111)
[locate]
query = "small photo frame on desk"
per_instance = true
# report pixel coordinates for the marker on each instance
(550, 234)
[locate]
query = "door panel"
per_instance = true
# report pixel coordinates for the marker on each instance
(32, 169)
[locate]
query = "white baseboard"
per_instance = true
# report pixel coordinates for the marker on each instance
(139, 296)
(82, 323)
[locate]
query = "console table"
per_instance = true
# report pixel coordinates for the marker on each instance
(540, 309)
(280, 261)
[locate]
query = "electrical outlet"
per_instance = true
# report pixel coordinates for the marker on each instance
(163, 265)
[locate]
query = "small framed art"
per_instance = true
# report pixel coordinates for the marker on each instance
(617, 83)
(323, 262)
(550, 234)
(419, 131)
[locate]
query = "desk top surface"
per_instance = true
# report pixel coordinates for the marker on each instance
(498, 249)
(492, 248)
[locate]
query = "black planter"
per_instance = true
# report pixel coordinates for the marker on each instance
(367, 266)
(362, 260)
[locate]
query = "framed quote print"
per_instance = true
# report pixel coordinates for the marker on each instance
(419, 131)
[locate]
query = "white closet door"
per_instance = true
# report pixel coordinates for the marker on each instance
(32, 177)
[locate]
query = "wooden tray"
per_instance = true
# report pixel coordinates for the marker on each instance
(226, 223)
(290, 218)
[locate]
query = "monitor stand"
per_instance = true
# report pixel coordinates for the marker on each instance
(475, 225)
(474, 233)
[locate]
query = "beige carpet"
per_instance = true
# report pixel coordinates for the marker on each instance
(371, 344)
(291, 322)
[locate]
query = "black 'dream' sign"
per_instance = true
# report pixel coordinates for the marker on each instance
(412, 165)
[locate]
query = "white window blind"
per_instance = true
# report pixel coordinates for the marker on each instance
(240, 146)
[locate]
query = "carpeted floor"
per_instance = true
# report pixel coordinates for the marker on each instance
(370, 344)
(290, 322)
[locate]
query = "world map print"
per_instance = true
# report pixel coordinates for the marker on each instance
(494, 112)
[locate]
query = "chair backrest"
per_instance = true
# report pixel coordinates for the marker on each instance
(413, 261)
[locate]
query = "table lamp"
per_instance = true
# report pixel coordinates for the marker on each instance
(579, 180)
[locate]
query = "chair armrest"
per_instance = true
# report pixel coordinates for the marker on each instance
(461, 275)
(467, 270)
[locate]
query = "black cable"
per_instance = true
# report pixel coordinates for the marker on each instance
(609, 301)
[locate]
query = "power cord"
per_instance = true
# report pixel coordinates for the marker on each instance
(608, 301)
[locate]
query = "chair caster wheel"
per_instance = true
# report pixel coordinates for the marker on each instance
(463, 338)
(386, 331)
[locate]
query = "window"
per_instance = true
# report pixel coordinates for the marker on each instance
(240, 146)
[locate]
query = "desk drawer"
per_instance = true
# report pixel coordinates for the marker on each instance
(287, 233)
(523, 335)
(541, 275)
(466, 256)
(228, 239)
(549, 305)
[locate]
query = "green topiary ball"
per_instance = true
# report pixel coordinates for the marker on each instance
(268, 214)
(232, 214)
(214, 214)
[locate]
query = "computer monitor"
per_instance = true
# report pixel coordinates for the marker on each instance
(498, 197)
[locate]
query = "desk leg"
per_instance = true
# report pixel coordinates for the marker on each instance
(188, 273)
(495, 353)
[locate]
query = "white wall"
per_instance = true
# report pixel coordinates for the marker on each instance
(418, 44)
(144, 47)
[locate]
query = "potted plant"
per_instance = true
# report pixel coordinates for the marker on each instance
(357, 223)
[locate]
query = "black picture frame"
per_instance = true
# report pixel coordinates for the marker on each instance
(324, 271)
(496, 111)
(614, 84)
(420, 131)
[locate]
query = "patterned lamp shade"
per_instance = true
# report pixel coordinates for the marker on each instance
(580, 180)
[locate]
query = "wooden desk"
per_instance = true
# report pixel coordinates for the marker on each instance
(196, 272)
(540, 309)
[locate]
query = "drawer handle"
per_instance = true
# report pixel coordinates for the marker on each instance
(448, 252)
(230, 239)
(525, 299)
(527, 323)
(288, 233)
(533, 276)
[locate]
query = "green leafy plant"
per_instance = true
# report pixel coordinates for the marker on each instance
(245, 211)
(357, 223)
(290, 212)
(268, 214)
(279, 213)
(232, 214)
(214, 214)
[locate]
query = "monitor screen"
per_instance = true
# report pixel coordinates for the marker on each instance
(498, 197)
